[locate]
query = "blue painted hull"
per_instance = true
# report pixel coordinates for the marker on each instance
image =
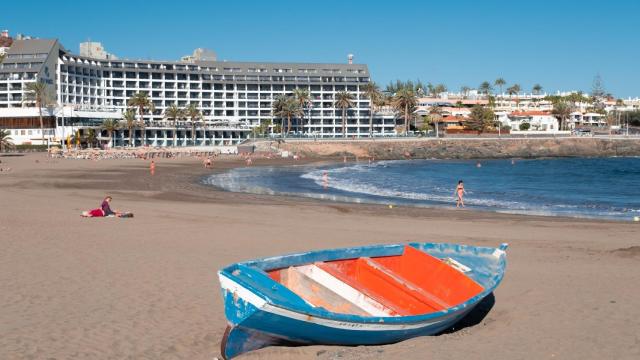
(262, 312)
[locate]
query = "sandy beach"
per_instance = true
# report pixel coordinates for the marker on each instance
(146, 287)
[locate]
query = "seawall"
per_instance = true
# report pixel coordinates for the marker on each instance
(469, 148)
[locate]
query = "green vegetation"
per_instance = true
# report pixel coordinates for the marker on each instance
(562, 110)
(404, 102)
(416, 87)
(376, 99)
(173, 113)
(303, 98)
(110, 126)
(500, 82)
(536, 89)
(37, 93)
(485, 88)
(142, 102)
(287, 107)
(129, 122)
(6, 142)
(344, 101)
(194, 114)
(262, 129)
(480, 119)
(524, 126)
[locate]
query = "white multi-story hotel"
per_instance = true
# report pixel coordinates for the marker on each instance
(233, 97)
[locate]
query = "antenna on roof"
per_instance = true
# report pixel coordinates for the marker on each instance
(350, 58)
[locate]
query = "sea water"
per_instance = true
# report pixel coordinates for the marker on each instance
(576, 187)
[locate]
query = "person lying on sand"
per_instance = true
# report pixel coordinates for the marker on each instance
(105, 210)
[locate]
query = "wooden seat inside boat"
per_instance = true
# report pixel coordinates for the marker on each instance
(408, 284)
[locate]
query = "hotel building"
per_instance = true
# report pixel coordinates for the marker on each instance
(234, 97)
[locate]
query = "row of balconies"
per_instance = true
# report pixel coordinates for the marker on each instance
(207, 86)
(206, 77)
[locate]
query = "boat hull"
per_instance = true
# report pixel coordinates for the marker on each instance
(256, 325)
(262, 312)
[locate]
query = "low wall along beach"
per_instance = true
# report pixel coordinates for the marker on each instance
(465, 148)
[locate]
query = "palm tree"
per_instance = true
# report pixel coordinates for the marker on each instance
(465, 91)
(514, 90)
(537, 89)
(439, 89)
(435, 114)
(303, 98)
(37, 91)
(174, 113)
(193, 113)
(276, 109)
(404, 102)
(129, 121)
(110, 125)
(344, 100)
(562, 110)
(90, 136)
(287, 107)
(500, 82)
(485, 88)
(142, 102)
(5, 140)
(372, 92)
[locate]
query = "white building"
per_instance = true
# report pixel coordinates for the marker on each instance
(233, 97)
(537, 120)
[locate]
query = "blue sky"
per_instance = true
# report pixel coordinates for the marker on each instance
(560, 44)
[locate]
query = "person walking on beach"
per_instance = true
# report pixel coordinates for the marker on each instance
(325, 180)
(459, 193)
(152, 167)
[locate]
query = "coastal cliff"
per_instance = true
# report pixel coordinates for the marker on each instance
(389, 149)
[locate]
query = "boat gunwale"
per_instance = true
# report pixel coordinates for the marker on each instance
(322, 313)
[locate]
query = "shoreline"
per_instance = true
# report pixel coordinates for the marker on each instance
(146, 287)
(384, 202)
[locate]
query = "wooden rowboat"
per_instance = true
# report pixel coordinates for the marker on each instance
(355, 296)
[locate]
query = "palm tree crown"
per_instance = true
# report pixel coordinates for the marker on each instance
(485, 88)
(500, 82)
(344, 100)
(110, 125)
(537, 89)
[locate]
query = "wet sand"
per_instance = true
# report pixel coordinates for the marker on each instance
(146, 288)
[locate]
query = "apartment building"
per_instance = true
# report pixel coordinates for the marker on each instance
(234, 97)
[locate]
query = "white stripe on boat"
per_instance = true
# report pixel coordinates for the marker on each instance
(260, 303)
(345, 291)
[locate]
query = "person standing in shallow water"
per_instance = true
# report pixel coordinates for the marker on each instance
(459, 194)
(152, 168)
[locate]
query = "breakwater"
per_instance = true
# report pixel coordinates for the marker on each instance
(468, 148)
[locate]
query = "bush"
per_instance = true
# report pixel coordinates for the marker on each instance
(525, 126)
(30, 147)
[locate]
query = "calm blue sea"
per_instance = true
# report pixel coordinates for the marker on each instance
(575, 187)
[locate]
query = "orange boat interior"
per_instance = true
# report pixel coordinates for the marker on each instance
(408, 284)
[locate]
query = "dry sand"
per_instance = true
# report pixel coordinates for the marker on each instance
(146, 288)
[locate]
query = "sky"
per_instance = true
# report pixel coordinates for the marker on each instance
(560, 44)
